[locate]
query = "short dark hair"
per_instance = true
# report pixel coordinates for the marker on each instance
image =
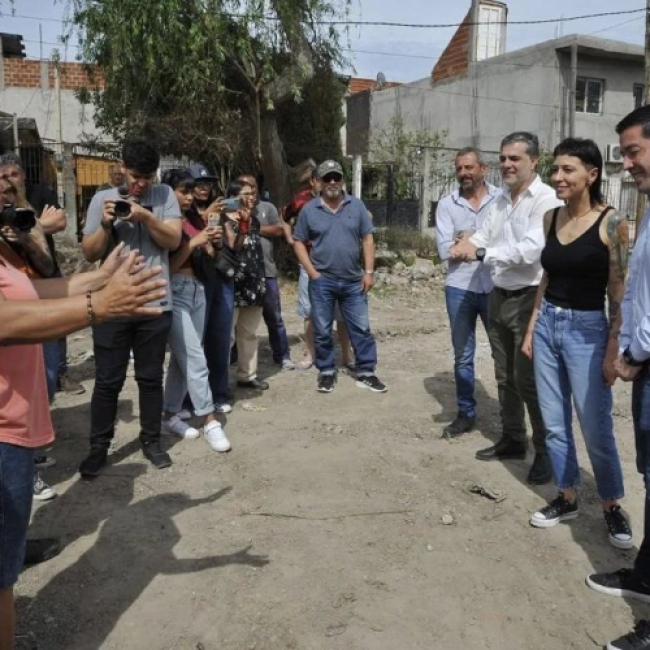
(529, 139)
(638, 117)
(235, 188)
(140, 156)
(588, 153)
(179, 178)
(468, 151)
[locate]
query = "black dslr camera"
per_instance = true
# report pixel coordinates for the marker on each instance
(20, 219)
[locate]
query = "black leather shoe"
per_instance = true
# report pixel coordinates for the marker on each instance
(541, 472)
(256, 383)
(504, 450)
(462, 424)
(153, 453)
(41, 550)
(93, 464)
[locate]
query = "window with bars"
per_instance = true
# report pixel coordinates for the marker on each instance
(589, 95)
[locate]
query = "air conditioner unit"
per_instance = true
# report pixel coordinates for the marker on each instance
(613, 153)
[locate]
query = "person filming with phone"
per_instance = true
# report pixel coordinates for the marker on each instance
(146, 216)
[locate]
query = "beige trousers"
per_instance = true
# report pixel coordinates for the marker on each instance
(245, 323)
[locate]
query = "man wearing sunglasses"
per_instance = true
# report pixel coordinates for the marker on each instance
(335, 223)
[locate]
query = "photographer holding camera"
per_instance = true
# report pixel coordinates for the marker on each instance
(148, 220)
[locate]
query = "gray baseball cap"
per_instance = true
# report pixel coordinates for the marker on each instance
(329, 167)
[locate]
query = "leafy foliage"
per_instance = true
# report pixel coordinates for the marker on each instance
(403, 149)
(205, 78)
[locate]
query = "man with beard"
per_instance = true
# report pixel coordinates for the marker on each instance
(510, 242)
(336, 223)
(468, 284)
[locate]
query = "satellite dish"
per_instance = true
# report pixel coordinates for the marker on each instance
(381, 79)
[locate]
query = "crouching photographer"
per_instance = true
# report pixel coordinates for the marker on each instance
(35, 310)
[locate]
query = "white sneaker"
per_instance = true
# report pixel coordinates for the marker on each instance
(287, 364)
(184, 414)
(222, 408)
(42, 491)
(177, 427)
(216, 437)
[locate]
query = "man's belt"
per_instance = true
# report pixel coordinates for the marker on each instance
(513, 293)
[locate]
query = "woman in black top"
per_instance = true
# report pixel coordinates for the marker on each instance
(585, 259)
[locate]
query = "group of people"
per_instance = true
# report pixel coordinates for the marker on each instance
(181, 268)
(544, 268)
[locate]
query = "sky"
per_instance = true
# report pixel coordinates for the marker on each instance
(402, 54)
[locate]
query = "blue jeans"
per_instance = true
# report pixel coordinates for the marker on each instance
(220, 298)
(16, 494)
(568, 352)
(464, 308)
(272, 314)
(51, 353)
(353, 302)
(641, 419)
(188, 369)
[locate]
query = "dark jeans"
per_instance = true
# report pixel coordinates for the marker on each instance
(63, 356)
(353, 303)
(464, 309)
(272, 313)
(220, 299)
(508, 318)
(113, 342)
(641, 419)
(52, 360)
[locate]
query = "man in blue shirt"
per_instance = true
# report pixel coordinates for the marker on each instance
(633, 365)
(468, 284)
(335, 223)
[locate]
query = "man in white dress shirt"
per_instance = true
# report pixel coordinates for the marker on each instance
(510, 241)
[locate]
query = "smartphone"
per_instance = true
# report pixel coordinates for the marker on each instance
(232, 205)
(214, 220)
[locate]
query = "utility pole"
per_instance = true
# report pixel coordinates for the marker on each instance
(641, 199)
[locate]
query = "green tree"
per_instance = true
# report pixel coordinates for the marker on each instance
(402, 148)
(206, 78)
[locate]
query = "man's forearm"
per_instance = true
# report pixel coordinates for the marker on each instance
(303, 257)
(73, 285)
(94, 246)
(369, 253)
(166, 234)
(271, 232)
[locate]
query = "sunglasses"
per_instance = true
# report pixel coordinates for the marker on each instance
(328, 178)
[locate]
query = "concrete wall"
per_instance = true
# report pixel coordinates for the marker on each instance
(522, 90)
(28, 90)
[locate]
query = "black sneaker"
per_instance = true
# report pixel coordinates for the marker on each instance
(326, 383)
(556, 511)
(41, 550)
(639, 639)
(153, 453)
(42, 461)
(620, 583)
(462, 424)
(92, 465)
(620, 533)
(370, 382)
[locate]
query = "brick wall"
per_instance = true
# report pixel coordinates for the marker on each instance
(26, 73)
(455, 59)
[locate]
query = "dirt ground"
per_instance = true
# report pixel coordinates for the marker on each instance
(322, 529)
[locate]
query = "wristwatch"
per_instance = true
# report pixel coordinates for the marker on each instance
(480, 254)
(630, 360)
